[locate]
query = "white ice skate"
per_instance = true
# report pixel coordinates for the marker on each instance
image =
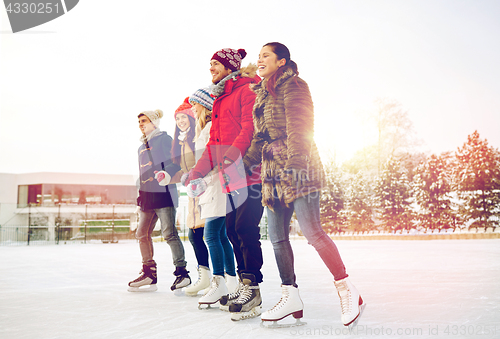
(289, 304)
(217, 290)
(146, 281)
(231, 283)
(351, 303)
(203, 282)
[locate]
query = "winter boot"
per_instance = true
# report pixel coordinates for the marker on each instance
(351, 303)
(228, 299)
(203, 282)
(231, 283)
(182, 278)
(217, 290)
(289, 304)
(146, 281)
(248, 303)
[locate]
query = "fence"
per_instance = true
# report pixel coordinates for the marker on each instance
(46, 235)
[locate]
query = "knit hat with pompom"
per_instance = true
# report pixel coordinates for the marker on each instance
(154, 116)
(230, 58)
(184, 108)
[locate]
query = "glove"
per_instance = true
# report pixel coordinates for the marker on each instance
(191, 176)
(239, 166)
(299, 177)
(163, 178)
(196, 188)
(184, 178)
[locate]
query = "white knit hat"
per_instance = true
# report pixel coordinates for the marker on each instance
(154, 116)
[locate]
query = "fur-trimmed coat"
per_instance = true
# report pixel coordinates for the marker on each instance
(283, 140)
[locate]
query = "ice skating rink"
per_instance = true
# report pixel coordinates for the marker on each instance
(413, 289)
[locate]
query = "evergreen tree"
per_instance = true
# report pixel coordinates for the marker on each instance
(478, 180)
(359, 206)
(432, 192)
(332, 199)
(393, 193)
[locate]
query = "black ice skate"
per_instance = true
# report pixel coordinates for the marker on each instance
(226, 300)
(146, 281)
(248, 304)
(182, 278)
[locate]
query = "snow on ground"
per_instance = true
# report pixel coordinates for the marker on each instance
(413, 289)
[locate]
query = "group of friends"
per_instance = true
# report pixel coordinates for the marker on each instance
(242, 144)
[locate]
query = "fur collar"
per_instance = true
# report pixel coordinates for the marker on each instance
(246, 72)
(261, 91)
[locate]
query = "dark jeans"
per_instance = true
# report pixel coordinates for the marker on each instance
(242, 226)
(200, 249)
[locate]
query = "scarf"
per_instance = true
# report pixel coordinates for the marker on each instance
(145, 138)
(218, 88)
(183, 135)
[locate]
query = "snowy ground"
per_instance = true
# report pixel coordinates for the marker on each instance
(414, 289)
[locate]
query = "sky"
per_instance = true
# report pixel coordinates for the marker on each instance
(71, 89)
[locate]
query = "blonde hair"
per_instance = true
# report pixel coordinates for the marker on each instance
(202, 121)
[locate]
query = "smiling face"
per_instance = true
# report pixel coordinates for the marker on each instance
(197, 110)
(145, 125)
(218, 71)
(268, 62)
(182, 121)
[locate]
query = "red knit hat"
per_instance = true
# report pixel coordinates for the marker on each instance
(230, 58)
(184, 108)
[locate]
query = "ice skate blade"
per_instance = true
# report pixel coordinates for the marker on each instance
(207, 306)
(275, 324)
(254, 312)
(150, 288)
(355, 321)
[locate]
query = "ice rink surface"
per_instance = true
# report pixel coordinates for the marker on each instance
(413, 289)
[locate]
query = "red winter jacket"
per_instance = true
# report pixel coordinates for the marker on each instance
(231, 133)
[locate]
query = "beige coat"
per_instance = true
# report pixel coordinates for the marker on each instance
(283, 139)
(193, 219)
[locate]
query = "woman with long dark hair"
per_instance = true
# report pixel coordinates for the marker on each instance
(183, 154)
(292, 178)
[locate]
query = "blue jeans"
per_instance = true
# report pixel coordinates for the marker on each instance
(221, 251)
(307, 211)
(195, 236)
(147, 222)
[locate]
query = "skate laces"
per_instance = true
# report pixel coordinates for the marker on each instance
(344, 294)
(282, 301)
(245, 295)
(213, 288)
(199, 278)
(236, 293)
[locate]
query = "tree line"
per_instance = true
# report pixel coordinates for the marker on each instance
(390, 185)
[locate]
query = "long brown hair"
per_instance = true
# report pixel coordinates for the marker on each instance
(281, 52)
(176, 147)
